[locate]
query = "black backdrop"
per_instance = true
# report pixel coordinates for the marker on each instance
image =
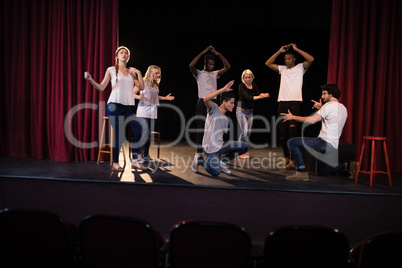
(247, 34)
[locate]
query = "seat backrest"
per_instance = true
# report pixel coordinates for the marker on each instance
(306, 246)
(34, 238)
(208, 244)
(382, 250)
(113, 241)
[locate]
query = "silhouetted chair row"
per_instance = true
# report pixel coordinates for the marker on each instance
(33, 238)
(379, 250)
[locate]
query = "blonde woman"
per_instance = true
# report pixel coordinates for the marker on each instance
(147, 107)
(121, 98)
(248, 93)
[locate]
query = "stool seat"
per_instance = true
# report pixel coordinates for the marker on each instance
(374, 138)
(372, 170)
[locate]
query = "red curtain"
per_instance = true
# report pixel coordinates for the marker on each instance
(46, 49)
(365, 60)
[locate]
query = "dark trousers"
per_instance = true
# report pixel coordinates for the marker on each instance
(147, 126)
(288, 129)
(326, 155)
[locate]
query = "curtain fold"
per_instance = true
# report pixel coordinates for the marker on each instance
(48, 46)
(364, 60)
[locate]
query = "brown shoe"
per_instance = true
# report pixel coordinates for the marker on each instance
(290, 166)
(298, 176)
(353, 169)
(117, 167)
(283, 163)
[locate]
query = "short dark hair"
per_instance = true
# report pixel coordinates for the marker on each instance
(208, 57)
(290, 51)
(226, 96)
(332, 89)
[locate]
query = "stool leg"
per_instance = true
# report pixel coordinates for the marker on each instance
(159, 145)
(360, 160)
(124, 154)
(387, 163)
(111, 145)
(101, 141)
(372, 162)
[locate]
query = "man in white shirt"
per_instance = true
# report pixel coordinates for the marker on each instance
(212, 142)
(207, 83)
(333, 116)
(290, 93)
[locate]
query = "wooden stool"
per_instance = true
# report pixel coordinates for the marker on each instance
(156, 136)
(372, 172)
(110, 144)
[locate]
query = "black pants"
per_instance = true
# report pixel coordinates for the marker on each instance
(201, 110)
(288, 129)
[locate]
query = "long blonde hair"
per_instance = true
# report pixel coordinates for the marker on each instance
(149, 76)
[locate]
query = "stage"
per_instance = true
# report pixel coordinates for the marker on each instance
(259, 172)
(256, 196)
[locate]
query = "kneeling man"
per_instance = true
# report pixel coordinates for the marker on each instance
(333, 116)
(215, 125)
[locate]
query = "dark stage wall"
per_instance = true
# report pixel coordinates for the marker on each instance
(356, 215)
(246, 34)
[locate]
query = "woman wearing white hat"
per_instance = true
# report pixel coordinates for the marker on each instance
(120, 115)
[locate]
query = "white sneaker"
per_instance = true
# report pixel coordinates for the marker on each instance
(135, 164)
(194, 165)
(225, 168)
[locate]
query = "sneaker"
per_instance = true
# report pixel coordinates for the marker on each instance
(135, 164)
(244, 156)
(283, 162)
(298, 176)
(290, 166)
(194, 165)
(225, 168)
(140, 159)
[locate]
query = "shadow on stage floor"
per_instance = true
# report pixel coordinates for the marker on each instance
(258, 172)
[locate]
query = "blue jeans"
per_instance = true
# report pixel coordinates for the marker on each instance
(230, 149)
(245, 119)
(325, 153)
(121, 116)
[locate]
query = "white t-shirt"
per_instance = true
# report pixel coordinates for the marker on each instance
(207, 82)
(334, 115)
(215, 125)
(291, 83)
(123, 89)
(148, 108)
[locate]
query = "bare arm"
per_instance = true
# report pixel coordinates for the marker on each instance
(102, 85)
(194, 62)
(208, 98)
(168, 97)
(226, 64)
(261, 96)
(304, 119)
(271, 61)
(138, 81)
(308, 58)
(136, 93)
